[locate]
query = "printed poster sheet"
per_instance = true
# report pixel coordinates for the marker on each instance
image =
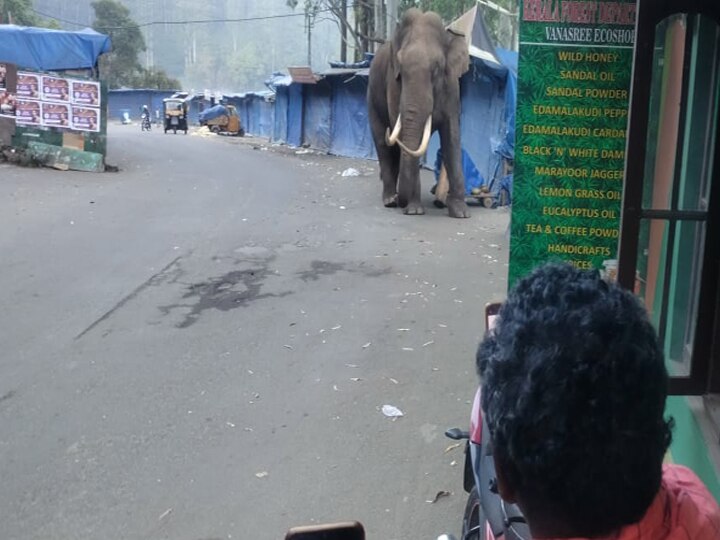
(45, 100)
(86, 93)
(28, 85)
(27, 112)
(56, 115)
(85, 118)
(55, 89)
(7, 98)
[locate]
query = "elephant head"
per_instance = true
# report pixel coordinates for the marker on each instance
(426, 63)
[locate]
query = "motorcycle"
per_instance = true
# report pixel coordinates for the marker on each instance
(145, 124)
(487, 516)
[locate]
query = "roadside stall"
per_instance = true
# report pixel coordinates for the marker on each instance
(52, 104)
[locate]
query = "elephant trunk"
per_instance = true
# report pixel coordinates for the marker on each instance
(423, 143)
(394, 137)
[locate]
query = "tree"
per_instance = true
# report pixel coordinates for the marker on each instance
(121, 65)
(366, 28)
(449, 10)
(363, 33)
(21, 12)
(155, 78)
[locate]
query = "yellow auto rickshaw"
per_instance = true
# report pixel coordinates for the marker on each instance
(175, 112)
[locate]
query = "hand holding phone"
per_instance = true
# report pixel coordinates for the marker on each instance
(491, 314)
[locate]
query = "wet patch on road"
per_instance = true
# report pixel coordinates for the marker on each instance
(7, 395)
(326, 268)
(235, 289)
(320, 268)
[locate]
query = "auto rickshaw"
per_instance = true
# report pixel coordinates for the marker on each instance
(175, 112)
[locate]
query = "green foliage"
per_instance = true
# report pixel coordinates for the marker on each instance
(155, 79)
(121, 66)
(21, 12)
(447, 9)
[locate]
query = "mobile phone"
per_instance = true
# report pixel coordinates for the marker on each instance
(491, 314)
(333, 531)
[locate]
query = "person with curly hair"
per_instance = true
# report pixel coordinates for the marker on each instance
(573, 388)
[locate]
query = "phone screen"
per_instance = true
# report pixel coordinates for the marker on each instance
(338, 531)
(491, 315)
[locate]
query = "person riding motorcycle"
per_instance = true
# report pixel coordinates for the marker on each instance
(145, 118)
(574, 385)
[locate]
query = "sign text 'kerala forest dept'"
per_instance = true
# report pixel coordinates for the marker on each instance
(571, 122)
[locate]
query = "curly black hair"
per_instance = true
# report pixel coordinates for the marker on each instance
(573, 388)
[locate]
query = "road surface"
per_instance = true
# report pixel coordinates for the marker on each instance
(199, 346)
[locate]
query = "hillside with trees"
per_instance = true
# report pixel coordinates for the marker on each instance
(233, 45)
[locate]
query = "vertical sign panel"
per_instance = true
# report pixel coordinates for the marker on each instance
(573, 89)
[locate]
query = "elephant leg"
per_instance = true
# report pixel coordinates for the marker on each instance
(389, 160)
(409, 190)
(452, 160)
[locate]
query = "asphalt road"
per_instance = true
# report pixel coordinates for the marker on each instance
(199, 346)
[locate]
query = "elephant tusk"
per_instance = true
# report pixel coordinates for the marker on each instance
(391, 138)
(423, 144)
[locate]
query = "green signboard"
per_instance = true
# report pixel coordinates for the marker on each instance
(571, 121)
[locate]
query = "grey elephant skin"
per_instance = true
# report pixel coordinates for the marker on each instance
(414, 90)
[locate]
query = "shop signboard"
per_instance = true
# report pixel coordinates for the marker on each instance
(573, 90)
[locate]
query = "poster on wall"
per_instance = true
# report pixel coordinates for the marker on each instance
(7, 103)
(55, 89)
(27, 112)
(573, 90)
(85, 93)
(56, 115)
(85, 119)
(28, 85)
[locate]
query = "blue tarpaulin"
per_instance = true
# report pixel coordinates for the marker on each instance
(351, 135)
(266, 118)
(473, 178)
(295, 114)
(482, 116)
(42, 49)
(132, 100)
(281, 115)
(212, 113)
(509, 60)
(317, 115)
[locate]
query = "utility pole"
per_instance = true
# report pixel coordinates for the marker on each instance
(308, 27)
(343, 33)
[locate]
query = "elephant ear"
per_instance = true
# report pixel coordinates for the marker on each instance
(458, 59)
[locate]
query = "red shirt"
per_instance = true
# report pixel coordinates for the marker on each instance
(683, 509)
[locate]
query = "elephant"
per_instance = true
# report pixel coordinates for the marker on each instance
(414, 87)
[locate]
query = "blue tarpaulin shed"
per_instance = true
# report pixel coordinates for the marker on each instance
(295, 114)
(317, 115)
(510, 60)
(279, 133)
(131, 100)
(350, 134)
(281, 118)
(42, 49)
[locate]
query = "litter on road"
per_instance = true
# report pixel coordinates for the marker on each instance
(391, 411)
(439, 495)
(350, 172)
